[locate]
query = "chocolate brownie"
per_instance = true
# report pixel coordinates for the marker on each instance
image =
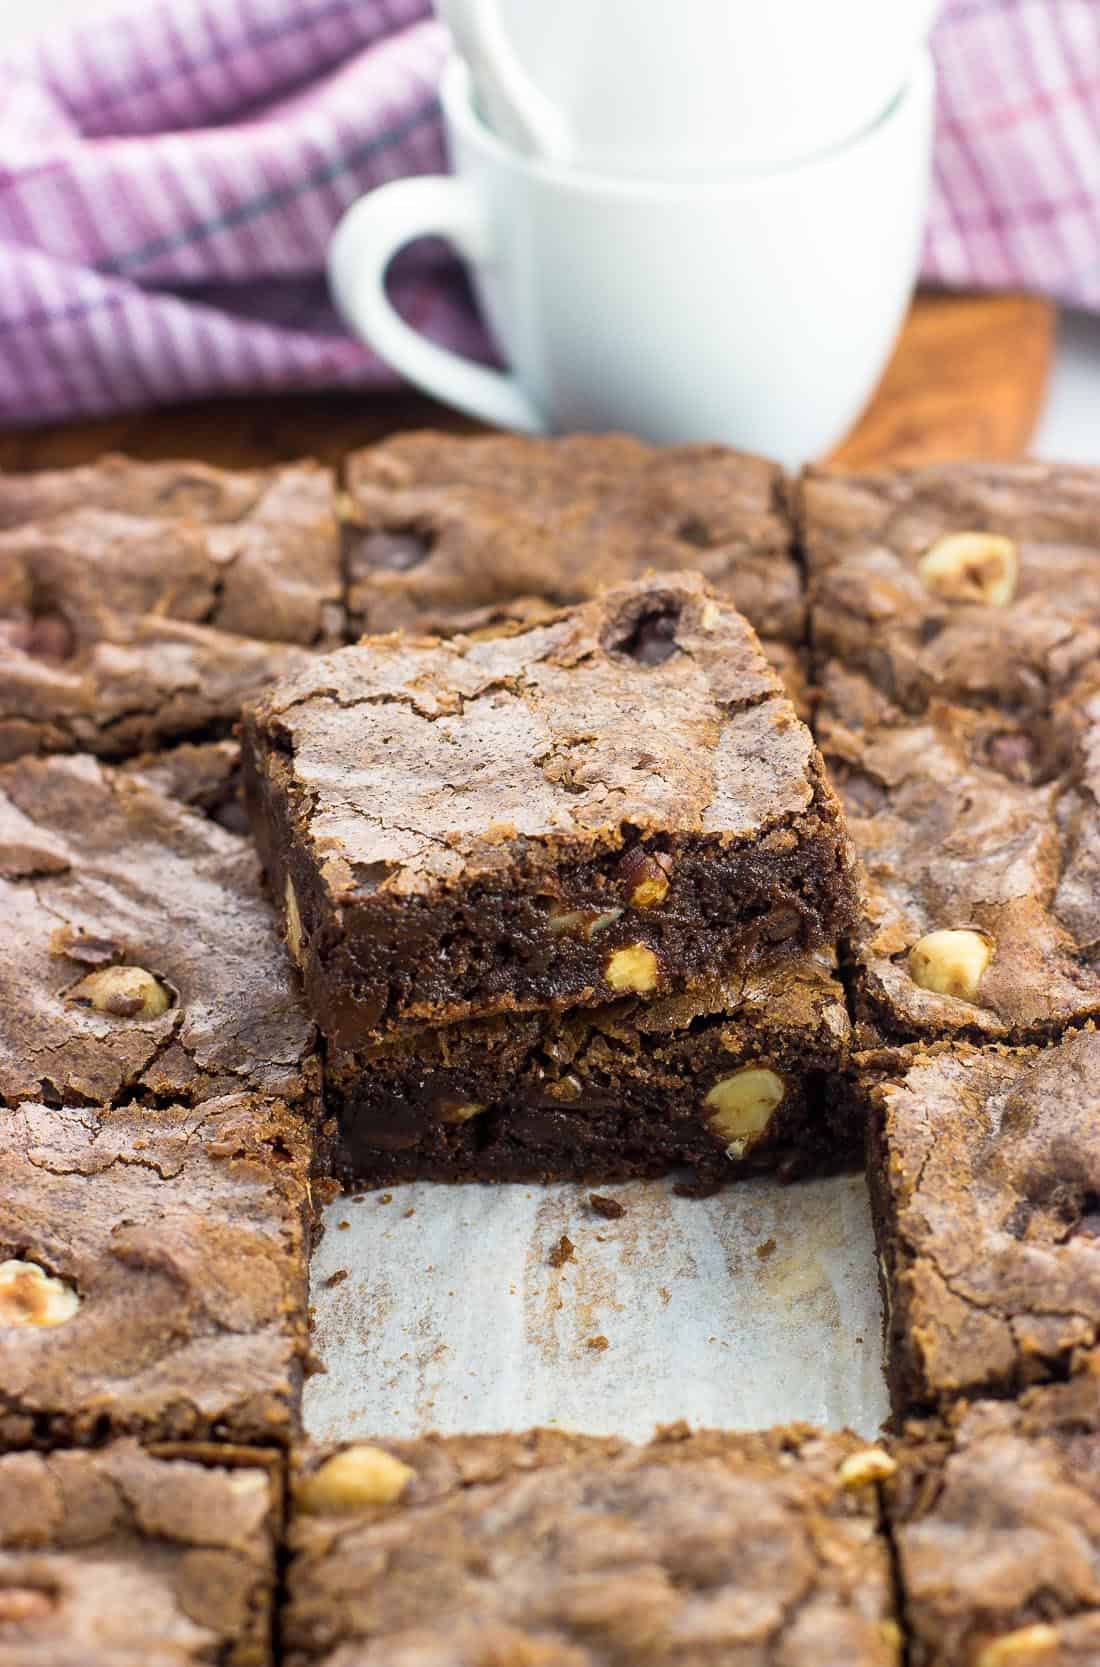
(972, 583)
(995, 1512)
(610, 804)
(138, 954)
(125, 623)
(980, 837)
(126, 1558)
(730, 1078)
(573, 1551)
(205, 775)
(984, 1167)
(152, 1271)
(447, 534)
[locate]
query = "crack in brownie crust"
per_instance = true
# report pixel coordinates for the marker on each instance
(571, 1552)
(460, 828)
(128, 1558)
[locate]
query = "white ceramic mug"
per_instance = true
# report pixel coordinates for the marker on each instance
(758, 311)
(700, 88)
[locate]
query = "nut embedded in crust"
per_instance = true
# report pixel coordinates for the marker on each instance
(22, 1604)
(951, 961)
(644, 879)
(742, 1105)
(293, 922)
(860, 1470)
(632, 969)
(452, 1113)
(360, 1475)
(123, 992)
(1028, 1646)
(971, 567)
(29, 1296)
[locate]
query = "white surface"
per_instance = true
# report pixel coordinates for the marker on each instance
(736, 84)
(753, 1307)
(756, 311)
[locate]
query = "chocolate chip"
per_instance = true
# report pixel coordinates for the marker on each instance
(694, 531)
(609, 1208)
(46, 636)
(651, 639)
(395, 552)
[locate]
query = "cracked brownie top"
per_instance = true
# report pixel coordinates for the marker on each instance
(968, 582)
(985, 1174)
(152, 1271)
(141, 602)
(140, 956)
(446, 534)
(553, 1548)
(554, 816)
(127, 1558)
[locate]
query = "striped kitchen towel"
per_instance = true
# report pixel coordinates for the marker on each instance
(170, 175)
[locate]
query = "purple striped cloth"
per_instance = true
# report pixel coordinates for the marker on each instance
(170, 176)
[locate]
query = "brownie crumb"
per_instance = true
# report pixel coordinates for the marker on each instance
(336, 1278)
(343, 1224)
(597, 1344)
(409, 1212)
(561, 1253)
(609, 1208)
(386, 1198)
(766, 1250)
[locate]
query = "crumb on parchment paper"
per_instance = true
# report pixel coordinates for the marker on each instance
(562, 1252)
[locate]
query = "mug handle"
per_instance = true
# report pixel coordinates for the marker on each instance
(364, 243)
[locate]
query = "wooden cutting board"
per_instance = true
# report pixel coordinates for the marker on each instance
(967, 380)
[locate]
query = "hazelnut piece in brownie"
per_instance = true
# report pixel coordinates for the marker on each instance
(121, 1557)
(455, 829)
(995, 1518)
(131, 615)
(979, 835)
(729, 1079)
(553, 1548)
(976, 583)
(138, 954)
(449, 534)
(984, 1167)
(152, 1272)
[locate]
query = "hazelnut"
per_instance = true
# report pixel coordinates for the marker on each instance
(644, 878)
(633, 968)
(1026, 1645)
(742, 1106)
(709, 615)
(859, 1470)
(971, 567)
(29, 1296)
(893, 1637)
(19, 1604)
(452, 1113)
(360, 1475)
(951, 962)
(584, 921)
(293, 921)
(123, 992)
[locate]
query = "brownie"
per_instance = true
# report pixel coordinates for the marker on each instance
(980, 838)
(152, 1271)
(614, 803)
(984, 1167)
(446, 534)
(731, 1078)
(121, 1557)
(570, 1551)
(995, 1515)
(129, 616)
(205, 775)
(965, 582)
(138, 954)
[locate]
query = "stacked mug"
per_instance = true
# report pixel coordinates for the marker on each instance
(699, 222)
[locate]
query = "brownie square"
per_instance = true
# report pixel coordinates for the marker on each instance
(617, 802)
(995, 1517)
(984, 1167)
(979, 835)
(127, 1558)
(551, 1548)
(138, 954)
(141, 603)
(447, 534)
(152, 1271)
(964, 582)
(732, 1078)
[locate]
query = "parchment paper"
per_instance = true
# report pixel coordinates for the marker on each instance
(438, 1308)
